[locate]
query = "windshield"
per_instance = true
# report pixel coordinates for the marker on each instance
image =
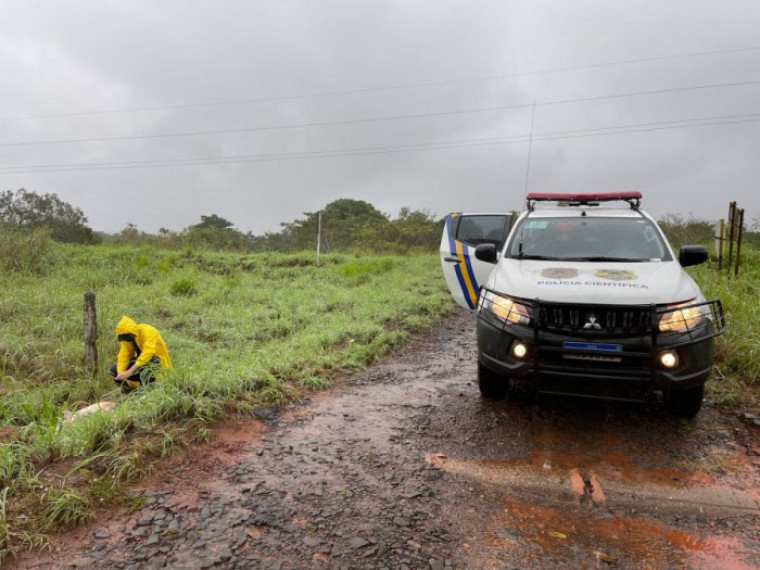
(588, 239)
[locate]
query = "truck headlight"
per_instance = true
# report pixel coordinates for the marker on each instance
(682, 318)
(505, 309)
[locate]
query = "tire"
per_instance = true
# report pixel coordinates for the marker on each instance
(686, 403)
(492, 385)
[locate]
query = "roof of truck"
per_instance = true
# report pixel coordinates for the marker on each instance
(582, 212)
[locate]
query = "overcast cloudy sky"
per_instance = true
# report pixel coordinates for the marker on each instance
(156, 112)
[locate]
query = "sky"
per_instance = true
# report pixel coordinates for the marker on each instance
(156, 113)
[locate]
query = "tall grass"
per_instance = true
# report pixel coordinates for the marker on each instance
(23, 250)
(738, 351)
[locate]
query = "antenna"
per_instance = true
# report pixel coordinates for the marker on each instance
(530, 147)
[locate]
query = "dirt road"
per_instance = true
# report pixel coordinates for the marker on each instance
(404, 466)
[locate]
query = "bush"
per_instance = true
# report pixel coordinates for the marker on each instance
(361, 269)
(680, 231)
(183, 287)
(24, 250)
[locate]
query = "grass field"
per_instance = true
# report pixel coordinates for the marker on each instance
(245, 331)
(737, 359)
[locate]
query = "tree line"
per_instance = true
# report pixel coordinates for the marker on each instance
(346, 225)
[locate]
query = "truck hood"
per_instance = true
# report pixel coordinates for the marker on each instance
(587, 282)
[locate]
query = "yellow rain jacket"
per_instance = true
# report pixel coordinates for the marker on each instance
(149, 341)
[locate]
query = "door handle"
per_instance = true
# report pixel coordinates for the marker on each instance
(451, 259)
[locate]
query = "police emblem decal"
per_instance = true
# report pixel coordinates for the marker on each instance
(559, 273)
(616, 274)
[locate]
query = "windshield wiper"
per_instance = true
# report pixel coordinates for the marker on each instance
(539, 257)
(604, 258)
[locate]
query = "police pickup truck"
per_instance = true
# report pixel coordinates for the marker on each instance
(581, 294)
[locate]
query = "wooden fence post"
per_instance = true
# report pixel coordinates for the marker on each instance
(90, 334)
(740, 231)
(731, 235)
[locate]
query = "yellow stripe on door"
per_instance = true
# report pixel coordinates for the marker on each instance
(468, 279)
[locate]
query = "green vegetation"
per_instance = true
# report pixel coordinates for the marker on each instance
(685, 232)
(347, 226)
(32, 211)
(24, 250)
(65, 508)
(738, 351)
(244, 330)
(737, 367)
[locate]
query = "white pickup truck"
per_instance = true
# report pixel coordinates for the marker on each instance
(581, 294)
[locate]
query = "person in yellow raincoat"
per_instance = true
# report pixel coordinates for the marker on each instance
(142, 354)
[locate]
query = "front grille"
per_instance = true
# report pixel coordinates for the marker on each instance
(628, 365)
(598, 319)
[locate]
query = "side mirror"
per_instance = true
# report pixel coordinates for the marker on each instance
(692, 255)
(486, 252)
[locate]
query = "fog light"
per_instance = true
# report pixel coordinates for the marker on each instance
(519, 350)
(669, 359)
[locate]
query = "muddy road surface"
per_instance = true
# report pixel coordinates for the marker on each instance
(405, 466)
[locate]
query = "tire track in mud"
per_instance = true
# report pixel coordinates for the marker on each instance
(405, 466)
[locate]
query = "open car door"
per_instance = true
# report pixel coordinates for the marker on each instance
(461, 235)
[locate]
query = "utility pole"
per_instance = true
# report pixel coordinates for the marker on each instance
(319, 233)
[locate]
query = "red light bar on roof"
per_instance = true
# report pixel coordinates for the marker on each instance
(633, 198)
(584, 197)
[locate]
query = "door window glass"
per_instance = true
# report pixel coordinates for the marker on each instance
(474, 230)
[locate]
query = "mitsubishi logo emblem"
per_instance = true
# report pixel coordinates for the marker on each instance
(591, 323)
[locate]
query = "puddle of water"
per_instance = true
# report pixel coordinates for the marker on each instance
(722, 552)
(556, 521)
(609, 466)
(640, 542)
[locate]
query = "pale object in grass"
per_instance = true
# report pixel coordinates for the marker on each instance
(96, 407)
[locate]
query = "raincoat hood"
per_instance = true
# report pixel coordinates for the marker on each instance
(126, 326)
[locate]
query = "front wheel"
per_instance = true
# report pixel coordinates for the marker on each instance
(686, 403)
(492, 385)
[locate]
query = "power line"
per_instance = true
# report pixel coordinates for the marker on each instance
(243, 101)
(653, 92)
(420, 147)
(382, 150)
(181, 134)
(265, 128)
(658, 125)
